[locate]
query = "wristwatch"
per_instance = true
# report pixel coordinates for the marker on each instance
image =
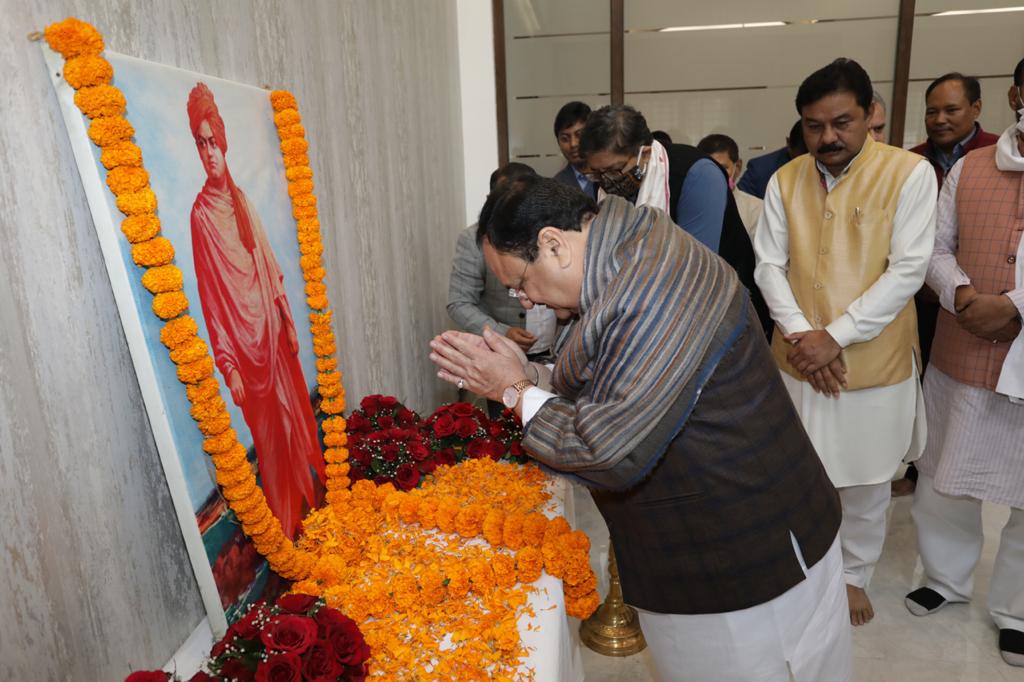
(510, 397)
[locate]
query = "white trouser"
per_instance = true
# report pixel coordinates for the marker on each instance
(862, 533)
(949, 538)
(803, 635)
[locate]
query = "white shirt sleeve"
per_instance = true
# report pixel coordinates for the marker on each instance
(533, 399)
(771, 247)
(944, 273)
(910, 249)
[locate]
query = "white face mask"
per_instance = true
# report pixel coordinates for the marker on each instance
(1020, 112)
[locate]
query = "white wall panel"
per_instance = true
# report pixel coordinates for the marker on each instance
(532, 17)
(533, 137)
(776, 56)
(977, 44)
(646, 14)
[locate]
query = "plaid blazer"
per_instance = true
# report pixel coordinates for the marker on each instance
(708, 531)
(990, 221)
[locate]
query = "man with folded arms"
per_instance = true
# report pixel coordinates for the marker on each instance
(974, 389)
(842, 246)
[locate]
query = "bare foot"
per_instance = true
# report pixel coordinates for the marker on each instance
(903, 487)
(860, 606)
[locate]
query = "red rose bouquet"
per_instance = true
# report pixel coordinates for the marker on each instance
(296, 639)
(507, 429)
(379, 413)
(400, 456)
(467, 433)
(454, 426)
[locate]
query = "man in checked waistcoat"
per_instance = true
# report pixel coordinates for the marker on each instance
(974, 390)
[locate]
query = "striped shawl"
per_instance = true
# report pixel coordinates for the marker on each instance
(651, 301)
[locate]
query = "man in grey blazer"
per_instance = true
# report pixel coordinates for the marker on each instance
(569, 123)
(476, 298)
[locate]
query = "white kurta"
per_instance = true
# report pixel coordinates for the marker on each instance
(976, 446)
(863, 435)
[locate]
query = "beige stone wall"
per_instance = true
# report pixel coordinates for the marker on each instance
(93, 573)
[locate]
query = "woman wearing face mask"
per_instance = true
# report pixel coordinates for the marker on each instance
(625, 160)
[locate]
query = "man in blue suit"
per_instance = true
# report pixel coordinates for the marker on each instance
(569, 124)
(760, 169)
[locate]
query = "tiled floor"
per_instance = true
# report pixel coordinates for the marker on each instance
(957, 644)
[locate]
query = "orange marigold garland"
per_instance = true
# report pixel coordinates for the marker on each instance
(300, 189)
(104, 104)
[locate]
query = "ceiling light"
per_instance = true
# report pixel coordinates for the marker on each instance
(718, 27)
(993, 10)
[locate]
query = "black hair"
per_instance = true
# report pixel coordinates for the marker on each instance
(716, 142)
(510, 171)
(571, 114)
(1018, 74)
(970, 84)
(842, 75)
(795, 141)
(661, 136)
(514, 214)
(616, 128)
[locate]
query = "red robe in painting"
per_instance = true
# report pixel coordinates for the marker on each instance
(248, 319)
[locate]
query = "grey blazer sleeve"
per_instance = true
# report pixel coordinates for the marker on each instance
(466, 287)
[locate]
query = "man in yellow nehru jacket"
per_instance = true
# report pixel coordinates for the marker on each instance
(842, 246)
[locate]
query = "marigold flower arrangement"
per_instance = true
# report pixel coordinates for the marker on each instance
(298, 638)
(388, 558)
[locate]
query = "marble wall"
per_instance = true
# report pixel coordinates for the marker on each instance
(93, 573)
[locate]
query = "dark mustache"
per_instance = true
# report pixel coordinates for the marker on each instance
(828, 148)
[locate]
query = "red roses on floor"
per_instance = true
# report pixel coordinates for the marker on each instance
(298, 639)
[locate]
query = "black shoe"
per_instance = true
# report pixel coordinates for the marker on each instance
(923, 601)
(1011, 646)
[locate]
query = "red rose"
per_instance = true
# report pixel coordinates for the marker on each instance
(406, 417)
(389, 452)
(361, 457)
(296, 603)
(370, 404)
(357, 423)
(418, 451)
(289, 634)
(494, 448)
(494, 430)
(326, 618)
(321, 663)
(387, 401)
(280, 668)
(384, 422)
(234, 669)
(356, 474)
(148, 676)
(462, 409)
(428, 465)
(444, 426)
(465, 427)
(407, 476)
(477, 449)
(246, 626)
(516, 449)
(347, 642)
(445, 457)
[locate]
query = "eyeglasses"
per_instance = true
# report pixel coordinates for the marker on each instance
(517, 291)
(617, 174)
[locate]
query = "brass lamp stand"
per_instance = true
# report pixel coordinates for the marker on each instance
(614, 629)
